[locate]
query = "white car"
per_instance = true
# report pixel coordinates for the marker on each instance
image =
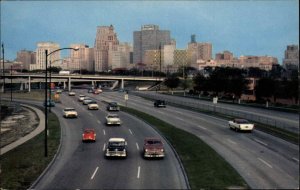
(113, 119)
(116, 147)
(70, 112)
(241, 125)
(81, 97)
(72, 93)
(86, 100)
(93, 105)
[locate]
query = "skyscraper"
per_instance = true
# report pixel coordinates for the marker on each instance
(26, 58)
(149, 38)
(291, 57)
(41, 57)
(106, 43)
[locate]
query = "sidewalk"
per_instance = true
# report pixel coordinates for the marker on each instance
(29, 136)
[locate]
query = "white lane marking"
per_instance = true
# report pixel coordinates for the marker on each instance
(130, 131)
(265, 162)
(90, 114)
(139, 170)
(94, 173)
(202, 127)
(104, 147)
(295, 159)
(180, 119)
(260, 142)
(98, 122)
(231, 141)
(103, 131)
(137, 146)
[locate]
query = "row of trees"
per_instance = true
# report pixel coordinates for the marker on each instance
(234, 82)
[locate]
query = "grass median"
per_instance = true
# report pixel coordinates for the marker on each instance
(205, 168)
(21, 166)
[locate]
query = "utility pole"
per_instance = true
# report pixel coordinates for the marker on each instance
(3, 68)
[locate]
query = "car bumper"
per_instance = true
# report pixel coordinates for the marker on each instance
(116, 154)
(71, 116)
(154, 155)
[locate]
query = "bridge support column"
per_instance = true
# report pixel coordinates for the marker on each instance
(21, 86)
(69, 84)
(2, 88)
(122, 84)
(64, 85)
(29, 84)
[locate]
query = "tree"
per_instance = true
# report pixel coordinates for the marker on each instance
(200, 83)
(172, 82)
(265, 88)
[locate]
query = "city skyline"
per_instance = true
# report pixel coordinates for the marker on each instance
(241, 27)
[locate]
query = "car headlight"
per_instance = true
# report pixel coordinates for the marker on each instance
(146, 150)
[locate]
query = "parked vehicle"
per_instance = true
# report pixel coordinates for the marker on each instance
(160, 103)
(70, 113)
(89, 135)
(153, 148)
(241, 125)
(113, 106)
(116, 147)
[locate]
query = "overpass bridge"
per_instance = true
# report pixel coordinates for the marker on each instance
(26, 80)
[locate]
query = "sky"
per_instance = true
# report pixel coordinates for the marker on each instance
(243, 27)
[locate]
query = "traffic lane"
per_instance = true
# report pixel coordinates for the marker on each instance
(290, 167)
(284, 148)
(292, 119)
(128, 131)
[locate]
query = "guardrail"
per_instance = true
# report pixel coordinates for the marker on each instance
(205, 107)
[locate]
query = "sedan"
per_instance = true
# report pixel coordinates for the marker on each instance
(81, 97)
(89, 135)
(93, 105)
(241, 125)
(113, 119)
(49, 103)
(70, 113)
(86, 101)
(72, 93)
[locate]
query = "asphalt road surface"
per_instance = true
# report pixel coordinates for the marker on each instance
(81, 165)
(264, 161)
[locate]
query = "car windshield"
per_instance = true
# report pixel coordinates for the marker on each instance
(82, 96)
(113, 104)
(153, 142)
(113, 116)
(242, 121)
(93, 102)
(116, 144)
(69, 109)
(89, 131)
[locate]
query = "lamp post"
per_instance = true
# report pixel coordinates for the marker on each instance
(46, 100)
(3, 68)
(11, 83)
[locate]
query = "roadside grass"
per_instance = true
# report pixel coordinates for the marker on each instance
(21, 166)
(205, 168)
(34, 94)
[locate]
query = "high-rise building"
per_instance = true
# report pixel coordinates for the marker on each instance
(41, 56)
(198, 51)
(262, 62)
(291, 57)
(106, 43)
(149, 38)
(81, 59)
(26, 58)
(121, 57)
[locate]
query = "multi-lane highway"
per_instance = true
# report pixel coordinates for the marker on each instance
(81, 165)
(264, 161)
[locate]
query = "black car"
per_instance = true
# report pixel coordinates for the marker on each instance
(160, 103)
(113, 106)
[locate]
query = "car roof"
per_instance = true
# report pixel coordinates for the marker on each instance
(69, 108)
(116, 140)
(89, 130)
(111, 114)
(152, 138)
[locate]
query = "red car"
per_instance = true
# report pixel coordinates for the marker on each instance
(153, 148)
(89, 135)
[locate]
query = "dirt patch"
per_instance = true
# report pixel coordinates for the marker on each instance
(18, 125)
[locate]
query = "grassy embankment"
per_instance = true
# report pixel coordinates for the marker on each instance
(204, 167)
(21, 166)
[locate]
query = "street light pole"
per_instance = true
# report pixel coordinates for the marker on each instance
(46, 99)
(3, 68)
(11, 83)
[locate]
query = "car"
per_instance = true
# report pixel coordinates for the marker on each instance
(90, 90)
(92, 105)
(81, 97)
(241, 125)
(70, 113)
(59, 91)
(159, 103)
(86, 100)
(89, 135)
(116, 147)
(49, 103)
(97, 91)
(153, 148)
(71, 93)
(113, 106)
(113, 119)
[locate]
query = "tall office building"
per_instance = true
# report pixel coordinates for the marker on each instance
(41, 57)
(26, 58)
(291, 57)
(198, 51)
(81, 59)
(106, 43)
(121, 57)
(149, 38)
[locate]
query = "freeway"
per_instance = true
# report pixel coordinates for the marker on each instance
(83, 165)
(264, 161)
